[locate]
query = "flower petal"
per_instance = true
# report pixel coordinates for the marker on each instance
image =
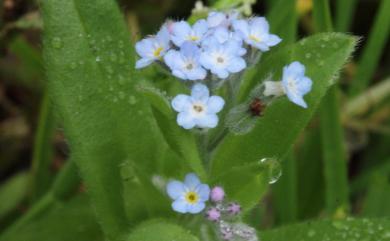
(236, 65)
(196, 208)
(304, 85)
(145, 47)
(181, 103)
(215, 104)
(199, 92)
(185, 120)
(242, 27)
(203, 191)
(180, 206)
(207, 121)
(180, 31)
(175, 189)
(141, 63)
(191, 181)
(200, 28)
(197, 74)
(273, 40)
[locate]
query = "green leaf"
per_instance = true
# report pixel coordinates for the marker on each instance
(323, 55)
(12, 192)
(64, 221)
(160, 230)
(90, 68)
(337, 230)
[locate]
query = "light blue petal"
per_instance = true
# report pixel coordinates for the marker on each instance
(145, 47)
(296, 69)
(190, 50)
(179, 74)
(200, 92)
(236, 65)
(215, 104)
(215, 19)
(273, 40)
(175, 189)
(141, 63)
(185, 120)
(163, 37)
(261, 45)
(197, 74)
(196, 208)
(221, 34)
(200, 28)
(181, 103)
(180, 32)
(205, 60)
(304, 85)
(203, 191)
(242, 27)
(296, 99)
(207, 121)
(259, 25)
(191, 181)
(172, 59)
(180, 206)
(221, 73)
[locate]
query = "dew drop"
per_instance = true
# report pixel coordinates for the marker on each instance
(98, 59)
(115, 99)
(274, 169)
(121, 95)
(308, 55)
(57, 42)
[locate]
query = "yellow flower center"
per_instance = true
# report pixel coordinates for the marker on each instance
(192, 197)
(193, 38)
(157, 52)
(254, 38)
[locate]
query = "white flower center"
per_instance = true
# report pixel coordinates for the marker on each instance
(255, 38)
(292, 85)
(198, 109)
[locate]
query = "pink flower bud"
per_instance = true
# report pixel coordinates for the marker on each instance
(234, 208)
(213, 214)
(217, 194)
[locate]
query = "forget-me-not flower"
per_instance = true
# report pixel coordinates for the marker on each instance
(182, 32)
(185, 64)
(221, 35)
(223, 59)
(198, 110)
(190, 196)
(152, 48)
(295, 84)
(255, 32)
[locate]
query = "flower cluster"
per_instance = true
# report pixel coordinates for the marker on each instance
(210, 51)
(191, 196)
(216, 45)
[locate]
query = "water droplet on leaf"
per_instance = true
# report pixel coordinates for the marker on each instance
(273, 167)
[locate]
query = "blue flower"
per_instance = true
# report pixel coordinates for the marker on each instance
(223, 59)
(295, 84)
(182, 32)
(152, 48)
(255, 32)
(184, 64)
(199, 109)
(190, 196)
